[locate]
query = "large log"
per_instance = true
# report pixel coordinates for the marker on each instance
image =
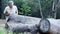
(31, 21)
(21, 23)
(55, 25)
(24, 19)
(25, 23)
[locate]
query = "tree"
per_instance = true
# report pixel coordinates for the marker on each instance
(55, 6)
(25, 9)
(37, 8)
(40, 9)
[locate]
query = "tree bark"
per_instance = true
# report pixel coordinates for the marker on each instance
(54, 8)
(40, 9)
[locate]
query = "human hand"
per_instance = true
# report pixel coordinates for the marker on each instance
(7, 14)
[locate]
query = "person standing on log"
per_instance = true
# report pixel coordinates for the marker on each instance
(10, 9)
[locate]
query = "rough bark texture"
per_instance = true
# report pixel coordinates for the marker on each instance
(56, 4)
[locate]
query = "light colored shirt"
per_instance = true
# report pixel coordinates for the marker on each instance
(11, 11)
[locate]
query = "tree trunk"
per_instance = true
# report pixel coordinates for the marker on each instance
(40, 9)
(54, 8)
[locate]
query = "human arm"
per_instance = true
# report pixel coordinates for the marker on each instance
(6, 12)
(16, 10)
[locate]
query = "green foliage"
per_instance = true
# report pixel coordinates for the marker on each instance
(34, 4)
(58, 13)
(25, 9)
(32, 7)
(46, 7)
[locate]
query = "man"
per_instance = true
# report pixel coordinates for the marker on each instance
(10, 9)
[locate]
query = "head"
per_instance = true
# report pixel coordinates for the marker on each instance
(10, 4)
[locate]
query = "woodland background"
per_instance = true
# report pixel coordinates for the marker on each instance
(34, 8)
